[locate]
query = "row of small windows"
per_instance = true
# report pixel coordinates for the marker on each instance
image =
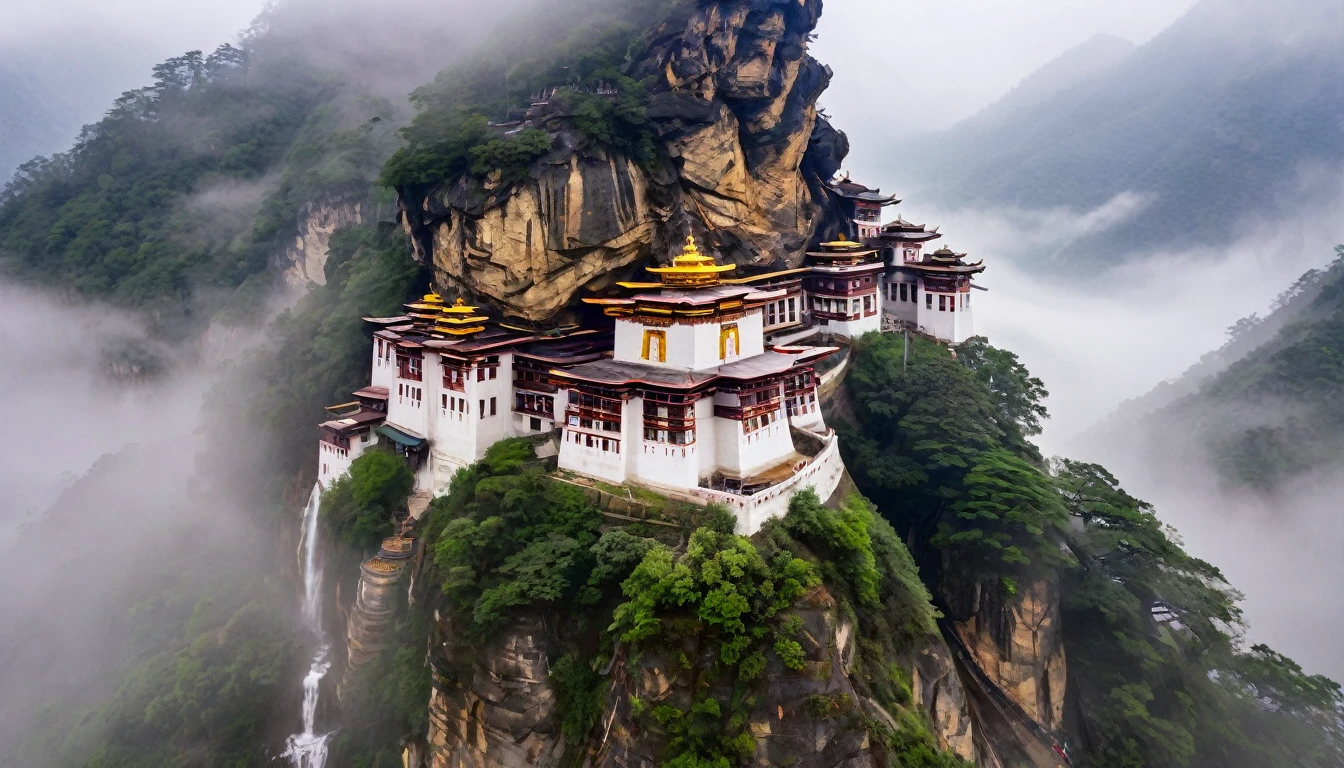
(409, 395)
(845, 306)
(782, 312)
(948, 303)
(903, 294)
(610, 445)
(459, 405)
(910, 292)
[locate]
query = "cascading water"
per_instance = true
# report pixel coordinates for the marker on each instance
(308, 749)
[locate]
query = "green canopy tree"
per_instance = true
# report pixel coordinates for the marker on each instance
(1151, 635)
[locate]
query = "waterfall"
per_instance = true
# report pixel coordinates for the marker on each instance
(308, 749)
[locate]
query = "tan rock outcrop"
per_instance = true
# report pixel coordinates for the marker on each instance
(493, 706)
(743, 154)
(1016, 641)
(377, 600)
(496, 709)
(938, 691)
(304, 259)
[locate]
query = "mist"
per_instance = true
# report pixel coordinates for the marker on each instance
(104, 498)
(1106, 337)
(922, 65)
(73, 401)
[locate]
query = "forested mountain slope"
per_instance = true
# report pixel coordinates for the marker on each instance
(538, 628)
(45, 97)
(1265, 409)
(1213, 119)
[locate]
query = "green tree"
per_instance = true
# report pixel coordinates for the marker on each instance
(1150, 634)
(1009, 515)
(360, 507)
(725, 592)
(1019, 395)
(507, 537)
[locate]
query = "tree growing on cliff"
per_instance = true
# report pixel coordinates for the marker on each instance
(1151, 635)
(360, 508)
(1019, 396)
(947, 447)
(507, 538)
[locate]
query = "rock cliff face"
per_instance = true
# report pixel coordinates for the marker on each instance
(744, 157)
(497, 708)
(1016, 641)
(377, 599)
(937, 689)
(304, 259)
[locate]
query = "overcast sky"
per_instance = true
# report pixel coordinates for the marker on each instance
(948, 58)
(169, 25)
(925, 64)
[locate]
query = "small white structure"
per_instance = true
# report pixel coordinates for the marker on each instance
(944, 308)
(862, 205)
(349, 433)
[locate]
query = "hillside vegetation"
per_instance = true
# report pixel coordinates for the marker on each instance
(941, 447)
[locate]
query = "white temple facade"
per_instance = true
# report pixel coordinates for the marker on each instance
(693, 402)
(696, 385)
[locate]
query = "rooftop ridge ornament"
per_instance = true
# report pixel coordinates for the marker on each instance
(459, 320)
(692, 269)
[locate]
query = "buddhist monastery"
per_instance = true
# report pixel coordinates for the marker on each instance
(862, 205)
(694, 403)
(843, 288)
(699, 384)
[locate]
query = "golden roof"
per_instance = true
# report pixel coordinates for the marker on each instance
(432, 302)
(842, 244)
(459, 320)
(692, 269)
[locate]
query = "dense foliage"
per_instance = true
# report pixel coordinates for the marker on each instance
(1157, 674)
(112, 216)
(1150, 635)
(1275, 414)
(185, 191)
(510, 543)
(579, 47)
(947, 448)
(507, 537)
(871, 574)
(1264, 408)
(359, 508)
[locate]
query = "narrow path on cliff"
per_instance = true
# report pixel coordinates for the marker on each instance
(1019, 741)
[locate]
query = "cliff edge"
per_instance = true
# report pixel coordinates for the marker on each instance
(741, 155)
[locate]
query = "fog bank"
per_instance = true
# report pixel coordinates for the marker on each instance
(1099, 339)
(102, 501)
(74, 395)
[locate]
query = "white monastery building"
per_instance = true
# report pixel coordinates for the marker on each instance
(696, 386)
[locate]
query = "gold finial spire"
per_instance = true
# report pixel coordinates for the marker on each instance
(459, 320)
(426, 309)
(691, 269)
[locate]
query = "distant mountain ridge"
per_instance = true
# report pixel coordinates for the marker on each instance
(1265, 408)
(1076, 65)
(1215, 116)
